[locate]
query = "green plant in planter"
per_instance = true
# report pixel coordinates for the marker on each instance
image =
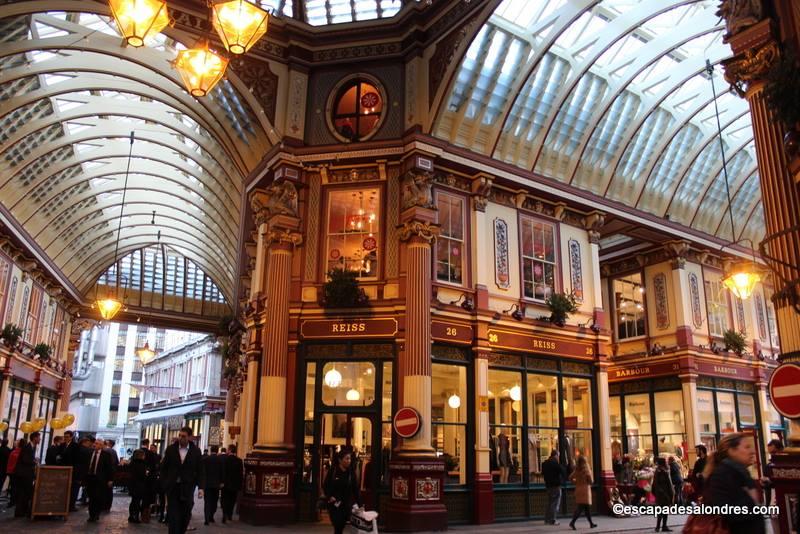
(11, 334)
(43, 351)
(734, 341)
(342, 291)
(561, 306)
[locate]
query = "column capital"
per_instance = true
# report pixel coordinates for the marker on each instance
(418, 222)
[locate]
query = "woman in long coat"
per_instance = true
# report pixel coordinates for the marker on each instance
(582, 478)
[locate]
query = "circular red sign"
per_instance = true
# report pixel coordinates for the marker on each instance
(784, 390)
(407, 422)
(369, 243)
(335, 254)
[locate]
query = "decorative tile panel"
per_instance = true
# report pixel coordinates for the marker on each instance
(275, 484)
(502, 276)
(662, 306)
(427, 489)
(762, 324)
(575, 269)
(694, 294)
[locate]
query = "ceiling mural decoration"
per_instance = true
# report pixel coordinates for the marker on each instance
(70, 95)
(612, 97)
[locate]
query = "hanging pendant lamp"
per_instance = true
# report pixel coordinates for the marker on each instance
(139, 19)
(240, 24)
(200, 68)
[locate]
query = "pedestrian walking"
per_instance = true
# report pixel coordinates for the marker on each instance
(99, 477)
(234, 476)
(214, 466)
(664, 491)
(25, 472)
(181, 473)
(70, 456)
(554, 474)
(582, 477)
(341, 490)
(676, 478)
(729, 482)
(109, 495)
(137, 484)
(5, 451)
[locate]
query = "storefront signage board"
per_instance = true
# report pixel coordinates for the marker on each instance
(348, 328)
(539, 344)
(451, 332)
(642, 371)
(724, 370)
(407, 422)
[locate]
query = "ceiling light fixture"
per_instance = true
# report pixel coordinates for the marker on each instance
(239, 24)
(200, 68)
(333, 378)
(139, 19)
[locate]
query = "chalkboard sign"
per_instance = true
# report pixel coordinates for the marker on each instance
(52, 490)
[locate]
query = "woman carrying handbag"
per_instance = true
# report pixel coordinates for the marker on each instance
(341, 490)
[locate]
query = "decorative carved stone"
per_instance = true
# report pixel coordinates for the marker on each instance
(750, 66)
(277, 199)
(282, 236)
(353, 175)
(261, 81)
(678, 251)
(423, 230)
(417, 192)
(481, 189)
(740, 14)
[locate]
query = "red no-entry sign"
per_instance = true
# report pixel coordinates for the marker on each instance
(407, 422)
(784, 390)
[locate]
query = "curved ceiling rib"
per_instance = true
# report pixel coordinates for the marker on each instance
(70, 95)
(610, 96)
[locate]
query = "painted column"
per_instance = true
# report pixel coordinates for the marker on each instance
(690, 416)
(604, 432)
(681, 293)
(417, 475)
(763, 412)
(270, 465)
(592, 223)
(484, 488)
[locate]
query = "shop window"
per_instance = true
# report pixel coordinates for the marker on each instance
(726, 413)
(772, 325)
(505, 425)
(542, 423)
(629, 306)
(617, 451)
(348, 384)
(386, 423)
(354, 231)
(576, 398)
(538, 258)
(638, 426)
(670, 425)
(775, 419)
(449, 419)
(707, 419)
(747, 409)
(717, 304)
(450, 261)
(5, 272)
(357, 110)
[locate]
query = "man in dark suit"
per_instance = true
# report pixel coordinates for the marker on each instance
(99, 478)
(152, 460)
(109, 497)
(234, 475)
(54, 451)
(70, 456)
(181, 473)
(5, 451)
(214, 467)
(25, 472)
(85, 451)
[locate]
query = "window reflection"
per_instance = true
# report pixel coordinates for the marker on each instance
(629, 305)
(348, 384)
(354, 231)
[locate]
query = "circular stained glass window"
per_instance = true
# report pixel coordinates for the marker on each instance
(357, 109)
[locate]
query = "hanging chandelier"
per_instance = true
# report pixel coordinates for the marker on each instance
(239, 24)
(111, 304)
(139, 19)
(200, 68)
(741, 279)
(145, 354)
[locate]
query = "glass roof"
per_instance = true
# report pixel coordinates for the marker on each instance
(611, 96)
(324, 12)
(70, 96)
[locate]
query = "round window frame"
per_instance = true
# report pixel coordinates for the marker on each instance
(338, 90)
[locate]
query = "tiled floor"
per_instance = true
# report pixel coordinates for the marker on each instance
(116, 523)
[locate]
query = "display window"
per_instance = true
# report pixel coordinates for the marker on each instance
(451, 253)
(629, 306)
(353, 231)
(539, 258)
(449, 419)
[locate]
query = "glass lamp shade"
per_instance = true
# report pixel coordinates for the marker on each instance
(200, 69)
(108, 307)
(146, 354)
(516, 405)
(742, 280)
(515, 393)
(353, 395)
(454, 401)
(139, 19)
(333, 378)
(239, 24)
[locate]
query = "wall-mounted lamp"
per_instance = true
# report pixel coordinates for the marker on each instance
(517, 313)
(465, 301)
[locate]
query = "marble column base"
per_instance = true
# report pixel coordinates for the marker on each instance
(417, 492)
(269, 494)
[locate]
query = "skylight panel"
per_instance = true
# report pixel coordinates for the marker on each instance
(46, 31)
(66, 105)
(53, 79)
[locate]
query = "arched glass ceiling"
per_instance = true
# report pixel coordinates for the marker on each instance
(161, 277)
(323, 12)
(611, 96)
(70, 95)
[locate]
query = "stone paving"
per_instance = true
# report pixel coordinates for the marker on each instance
(115, 522)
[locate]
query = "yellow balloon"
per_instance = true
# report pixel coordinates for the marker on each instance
(56, 423)
(39, 423)
(68, 419)
(3, 426)
(26, 427)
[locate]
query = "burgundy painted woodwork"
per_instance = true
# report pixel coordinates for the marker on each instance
(416, 492)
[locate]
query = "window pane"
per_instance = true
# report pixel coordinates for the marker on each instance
(449, 442)
(541, 441)
(577, 400)
(538, 259)
(717, 303)
(705, 414)
(506, 454)
(669, 412)
(311, 370)
(542, 400)
(387, 394)
(450, 245)
(354, 231)
(348, 384)
(505, 396)
(727, 413)
(638, 426)
(747, 409)
(505, 414)
(577, 443)
(629, 304)
(448, 393)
